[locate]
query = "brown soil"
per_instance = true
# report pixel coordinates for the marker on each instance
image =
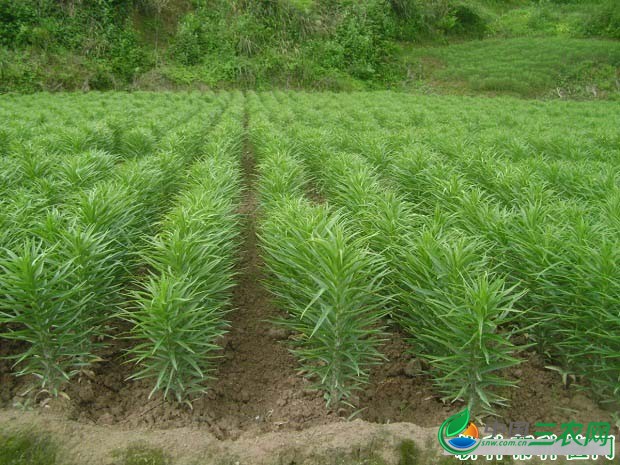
(258, 390)
(8, 383)
(401, 390)
(542, 396)
(258, 412)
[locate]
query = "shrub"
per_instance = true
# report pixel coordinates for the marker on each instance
(188, 46)
(469, 21)
(606, 21)
(15, 17)
(128, 59)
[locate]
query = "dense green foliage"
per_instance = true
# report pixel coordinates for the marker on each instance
(491, 235)
(280, 42)
(443, 290)
(180, 308)
(96, 38)
(320, 274)
(564, 18)
(347, 44)
(69, 248)
(484, 234)
(111, 44)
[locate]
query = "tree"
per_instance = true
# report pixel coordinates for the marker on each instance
(160, 6)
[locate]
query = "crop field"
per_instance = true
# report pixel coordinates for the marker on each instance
(269, 261)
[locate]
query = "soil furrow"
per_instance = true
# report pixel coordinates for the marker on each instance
(258, 388)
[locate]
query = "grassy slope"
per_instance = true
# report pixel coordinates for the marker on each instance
(525, 66)
(531, 49)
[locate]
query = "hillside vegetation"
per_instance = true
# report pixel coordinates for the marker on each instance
(560, 67)
(319, 44)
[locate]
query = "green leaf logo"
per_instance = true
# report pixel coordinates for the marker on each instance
(456, 423)
(451, 428)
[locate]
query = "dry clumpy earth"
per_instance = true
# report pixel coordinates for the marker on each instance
(259, 409)
(274, 420)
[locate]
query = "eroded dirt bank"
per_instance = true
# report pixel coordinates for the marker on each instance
(337, 443)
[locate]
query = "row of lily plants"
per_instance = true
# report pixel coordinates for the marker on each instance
(65, 270)
(323, 276)
(558, 251)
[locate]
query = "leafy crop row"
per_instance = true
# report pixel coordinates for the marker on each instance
(458, 315)
(62, 276)
(551, 237)
(180, 309)
(323, 276)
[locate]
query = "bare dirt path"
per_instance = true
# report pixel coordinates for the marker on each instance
(258, 388)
